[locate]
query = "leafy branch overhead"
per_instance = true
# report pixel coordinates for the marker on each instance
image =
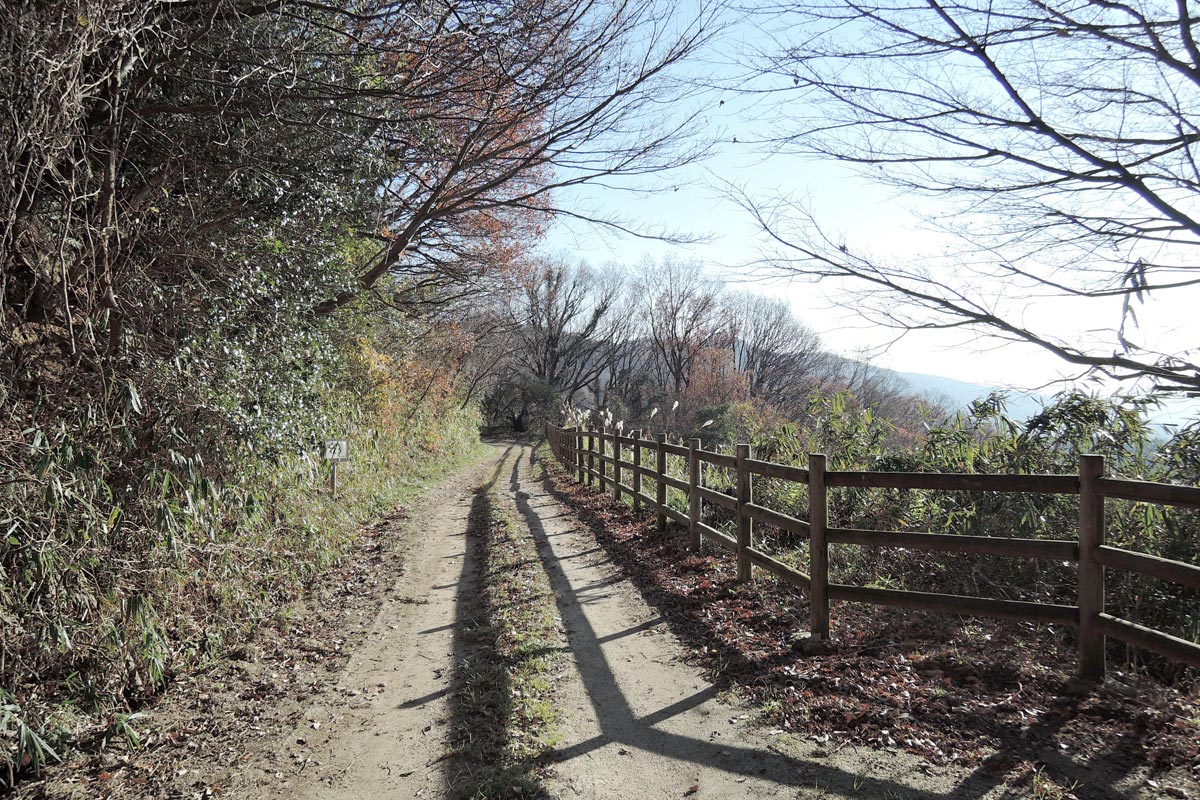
(441, 137)
(488, 118)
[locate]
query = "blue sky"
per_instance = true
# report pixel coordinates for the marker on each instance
(868, 216)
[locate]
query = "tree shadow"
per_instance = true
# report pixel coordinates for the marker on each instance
(479, 759)
(1095, 774)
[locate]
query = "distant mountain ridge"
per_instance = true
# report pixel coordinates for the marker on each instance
(1021, 405)
(1174, 411)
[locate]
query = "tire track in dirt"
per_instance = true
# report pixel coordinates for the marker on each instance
(636, 720)
(381, 730)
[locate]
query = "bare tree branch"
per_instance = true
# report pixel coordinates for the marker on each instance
(1064, 135)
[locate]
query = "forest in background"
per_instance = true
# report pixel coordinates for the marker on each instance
(665, 338)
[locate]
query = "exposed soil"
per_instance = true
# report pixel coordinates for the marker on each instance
(356, 696)
(642, 722)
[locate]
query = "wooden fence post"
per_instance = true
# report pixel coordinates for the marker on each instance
(636, 482)
(744, 523)
(660, 487)
(693, 495)
(1091, 571)
(617, 465)
(591, 457)
(579, 454)
(601, 464)
(818, 547)
(570, 450)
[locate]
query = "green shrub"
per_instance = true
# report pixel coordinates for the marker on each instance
(122, 565)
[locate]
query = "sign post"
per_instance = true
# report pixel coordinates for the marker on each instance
(336, 450)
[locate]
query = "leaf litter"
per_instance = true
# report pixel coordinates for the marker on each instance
(996, 695)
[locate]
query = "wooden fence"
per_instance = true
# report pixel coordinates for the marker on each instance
(599, 457)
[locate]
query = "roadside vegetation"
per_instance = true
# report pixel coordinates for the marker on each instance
(118, 579)
(508, 657)
(984, 439)
(235, 229)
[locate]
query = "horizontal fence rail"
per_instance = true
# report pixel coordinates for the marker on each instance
(618, 463)
(946, 481)
(1039, 549)
(1164, 493)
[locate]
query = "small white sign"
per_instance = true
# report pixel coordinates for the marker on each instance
(337, 450)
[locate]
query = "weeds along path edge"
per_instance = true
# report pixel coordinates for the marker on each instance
(251, 713)
(451, 693)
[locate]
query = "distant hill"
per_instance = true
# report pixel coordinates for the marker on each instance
(1177, 411)
(1174, 411)
(960, 394)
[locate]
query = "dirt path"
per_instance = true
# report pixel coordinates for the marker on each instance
(639, 722)
(636, 721)
(381, 731)
(364, 691)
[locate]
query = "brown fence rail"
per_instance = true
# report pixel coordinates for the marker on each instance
(619, 463)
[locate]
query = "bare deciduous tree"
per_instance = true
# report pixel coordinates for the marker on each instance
(781, 357)
(683, 317)
(1065, 133)
(569, 320)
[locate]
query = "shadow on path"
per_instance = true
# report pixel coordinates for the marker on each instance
(619, 723)
(479, 762)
